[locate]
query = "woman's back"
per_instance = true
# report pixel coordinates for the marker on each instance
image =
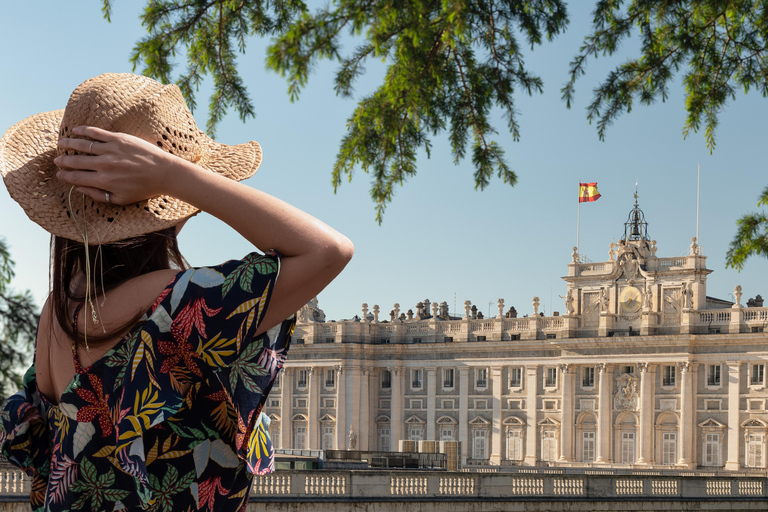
(171, 413)
(54, 365)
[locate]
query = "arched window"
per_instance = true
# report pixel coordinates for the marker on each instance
(328, 436)
(666, 439)
(586, 432)
(383, 434)
(626, 434)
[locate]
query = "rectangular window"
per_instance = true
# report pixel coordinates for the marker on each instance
(386, 379)
(278, 379)
(330, 378)
(301, 403)
(757, 375)
(627, 447)
(548, 446)
(712, 450)
(329, 403)
(481, 375)
(447, 433)
(514, 445)
(415, 433)
(515, 377)
(300, 437)
(302, 378)
(447, 404)
(416, 376)
(755, 451)
(480, 445)
(550, 379)
(448, 378)
(416, 404)
(384, 438)
(668, 448)
(481, 405)
(329, 437)
(668, 378)
(274, 402)
(588, 447)
(480, 338)
(385, 404)
(629, 369)
(588, 377)
(713, 375)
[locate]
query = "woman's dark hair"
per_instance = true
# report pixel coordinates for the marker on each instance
(110, 265)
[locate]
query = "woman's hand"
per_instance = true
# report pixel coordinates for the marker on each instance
(127, 168)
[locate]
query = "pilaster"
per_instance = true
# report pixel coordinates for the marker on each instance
(686, 414)
(431, 392)
(464, 412)
(734, 418)
(396, 404)
(605, 378)
(286, 408)
(645, 434)
(531, 420)
(496, 429)
(341, 408)
(365, 432)
(313, 405)
(567, 410)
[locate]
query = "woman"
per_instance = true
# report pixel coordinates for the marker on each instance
(149, 380)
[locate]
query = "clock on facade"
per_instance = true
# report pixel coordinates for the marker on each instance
(630, 300)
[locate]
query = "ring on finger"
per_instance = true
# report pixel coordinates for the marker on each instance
(108, 199)
(91, 152)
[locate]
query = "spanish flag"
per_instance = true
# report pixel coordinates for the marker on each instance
(588, 192)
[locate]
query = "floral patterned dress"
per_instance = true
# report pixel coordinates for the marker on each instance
(125, 435)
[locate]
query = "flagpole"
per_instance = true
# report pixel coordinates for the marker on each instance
(578, 219)
(698, 195)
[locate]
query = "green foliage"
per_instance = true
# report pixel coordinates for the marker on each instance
(18, 327)
(720, 46)
(449, 64)
(751, 238)
(211, 33)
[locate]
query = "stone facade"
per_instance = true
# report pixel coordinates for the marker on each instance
(643, 369)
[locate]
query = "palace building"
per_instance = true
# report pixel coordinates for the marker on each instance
(644, 369)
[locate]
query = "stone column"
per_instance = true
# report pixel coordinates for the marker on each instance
(567, 423)
(286, 408)
(686, 414)
(531, 420)
(364, 434)
(396, 404)
(354, 402)
(431, 392)
(645, 428)
(341, 409)
(734, 418)
(496, 429)
(464, 412)
(605, 378)
(313, 406)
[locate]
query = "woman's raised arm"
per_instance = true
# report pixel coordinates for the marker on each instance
(131, 169)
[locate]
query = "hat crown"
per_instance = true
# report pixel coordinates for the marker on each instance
(137, 105)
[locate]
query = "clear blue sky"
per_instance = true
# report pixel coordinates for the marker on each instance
(440, 238)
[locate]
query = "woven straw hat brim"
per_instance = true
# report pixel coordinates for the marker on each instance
(27, 151)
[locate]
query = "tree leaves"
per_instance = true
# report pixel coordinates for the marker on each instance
(449, 64)
(18, 326)
(718, 46)
(751, 239)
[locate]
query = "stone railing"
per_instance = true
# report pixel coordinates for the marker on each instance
(435, 330)
(577, 485)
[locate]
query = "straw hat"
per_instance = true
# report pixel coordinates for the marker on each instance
(126, 103)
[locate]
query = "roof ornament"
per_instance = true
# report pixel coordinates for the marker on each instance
(636, 228)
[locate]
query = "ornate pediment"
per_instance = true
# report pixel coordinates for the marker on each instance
(711, 424)
(446, 420)
(477, 420)
(414, 419)
(513, 421)
(299, 417)
(327, 418)
(548, 422)
(754, 423)
(383, 418)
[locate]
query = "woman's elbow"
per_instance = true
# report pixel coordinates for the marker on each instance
(342, 251)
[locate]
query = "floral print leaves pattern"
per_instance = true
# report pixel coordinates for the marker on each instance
(96, 487)
(190, 378)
